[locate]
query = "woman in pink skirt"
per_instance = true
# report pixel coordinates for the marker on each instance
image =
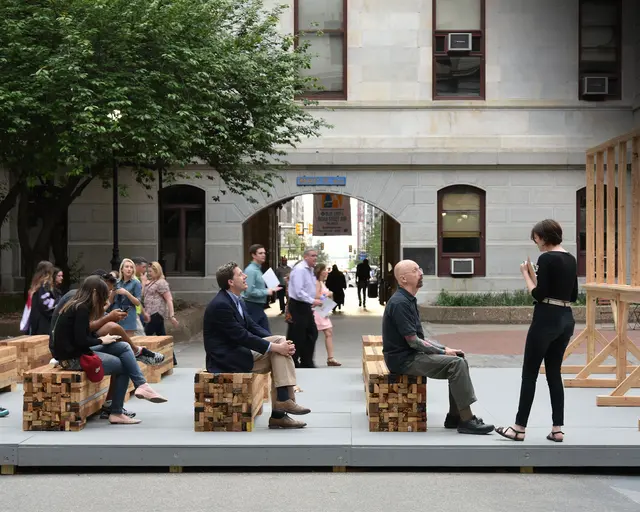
(323, 323)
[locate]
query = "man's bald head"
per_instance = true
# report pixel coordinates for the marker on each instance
(402, 267)
(408, 275)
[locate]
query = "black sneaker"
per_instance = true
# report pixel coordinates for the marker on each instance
(106, 411)
(149, 357)
(451, 421)
(474, 426)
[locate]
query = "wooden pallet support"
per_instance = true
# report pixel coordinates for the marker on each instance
(395, 403)
(228, 402)
(609, 275)
(8, 469)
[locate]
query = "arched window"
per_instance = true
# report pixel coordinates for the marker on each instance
(581, 226)
(183, 229)
(461, 228)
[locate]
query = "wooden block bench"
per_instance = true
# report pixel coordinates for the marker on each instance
(57, 399)
(228, 402)
(8, 368)
(395, 403)
(31, 351)
(162, 344)
(369, 340)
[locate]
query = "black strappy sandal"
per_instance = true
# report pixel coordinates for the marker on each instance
(552, 436)
(503, 432)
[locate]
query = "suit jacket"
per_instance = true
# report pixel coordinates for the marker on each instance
(229, 338)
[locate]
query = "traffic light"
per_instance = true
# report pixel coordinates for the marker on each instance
(350, 249)
(302, 246)
(299, 228)
(310, 229)
(322, 246)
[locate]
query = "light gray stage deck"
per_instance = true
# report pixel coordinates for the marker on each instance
(337, 432)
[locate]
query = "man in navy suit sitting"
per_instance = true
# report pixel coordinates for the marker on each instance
(236, 344)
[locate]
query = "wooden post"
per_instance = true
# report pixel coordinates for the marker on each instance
(599, 254)
(611, 215)
(635, 212)
(591, 220)
(622, 213)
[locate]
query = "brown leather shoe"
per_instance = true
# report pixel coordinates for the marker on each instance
(291, 407)
(286, 422)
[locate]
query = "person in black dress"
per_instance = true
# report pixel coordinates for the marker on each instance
(554, 286)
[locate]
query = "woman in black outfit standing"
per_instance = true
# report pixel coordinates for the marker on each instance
(554, 289)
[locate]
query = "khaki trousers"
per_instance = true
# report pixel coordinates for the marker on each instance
(282, 368)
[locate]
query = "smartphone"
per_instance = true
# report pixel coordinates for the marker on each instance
(126, 309)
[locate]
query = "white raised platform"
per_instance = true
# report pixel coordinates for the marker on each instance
(337, 432)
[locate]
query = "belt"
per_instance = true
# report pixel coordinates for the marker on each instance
(557, 302)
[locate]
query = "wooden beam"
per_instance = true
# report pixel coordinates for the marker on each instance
(591, 215)
(600, 254)
(635, 213)
(611, 215)
(613, 142)
(622, 213)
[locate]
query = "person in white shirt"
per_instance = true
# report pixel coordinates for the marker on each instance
(302, 292)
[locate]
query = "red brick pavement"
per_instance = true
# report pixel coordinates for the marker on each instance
(505, 342)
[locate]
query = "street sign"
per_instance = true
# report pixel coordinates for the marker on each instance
(318, 181)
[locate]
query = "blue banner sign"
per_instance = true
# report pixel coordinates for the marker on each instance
(317, 181)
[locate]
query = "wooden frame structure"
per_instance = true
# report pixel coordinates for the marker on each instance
(609, 275)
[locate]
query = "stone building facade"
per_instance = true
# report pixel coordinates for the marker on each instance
(505, 125)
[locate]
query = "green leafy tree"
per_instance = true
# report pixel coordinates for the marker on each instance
(144, 85)
(292, 246)
(373, 247)
(323, 257)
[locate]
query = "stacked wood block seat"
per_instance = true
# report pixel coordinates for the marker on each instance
(228, 402)
(32, 352)
(395, 403)
(371, 351)
(57, 399)
(162, 344)
(8, 368)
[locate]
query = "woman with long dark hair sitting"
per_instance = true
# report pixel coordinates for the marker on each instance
(71, 337)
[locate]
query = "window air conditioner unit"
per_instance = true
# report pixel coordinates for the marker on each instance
(595, 85)
(461, 266)
(459, 42)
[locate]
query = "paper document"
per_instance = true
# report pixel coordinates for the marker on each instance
(270, 279)
(327, 307)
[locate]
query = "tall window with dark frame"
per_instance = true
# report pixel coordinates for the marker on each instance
(600, 49)
(459, 49)
(323, 24)
(182, 230)
(461, 227)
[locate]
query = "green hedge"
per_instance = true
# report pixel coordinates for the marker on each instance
(506, 298)
(11, 303)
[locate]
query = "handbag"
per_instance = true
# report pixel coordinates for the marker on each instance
(26, 315)
(90, 363)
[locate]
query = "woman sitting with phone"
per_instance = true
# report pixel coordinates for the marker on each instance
(71, 338)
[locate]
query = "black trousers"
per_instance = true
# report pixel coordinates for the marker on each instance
(549, 334)
(303, 332)
(156, 327)
(362, 288)
(281, 296)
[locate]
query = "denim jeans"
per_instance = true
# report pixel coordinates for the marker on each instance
(119, 362)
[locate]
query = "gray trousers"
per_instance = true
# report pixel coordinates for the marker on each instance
(452, 368)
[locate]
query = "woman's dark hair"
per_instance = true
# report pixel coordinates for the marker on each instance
(320, 267)
(549, 231)
(93, 294)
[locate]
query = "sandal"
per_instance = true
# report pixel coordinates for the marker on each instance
(332, 362)
(552, 436)
(503, 432)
